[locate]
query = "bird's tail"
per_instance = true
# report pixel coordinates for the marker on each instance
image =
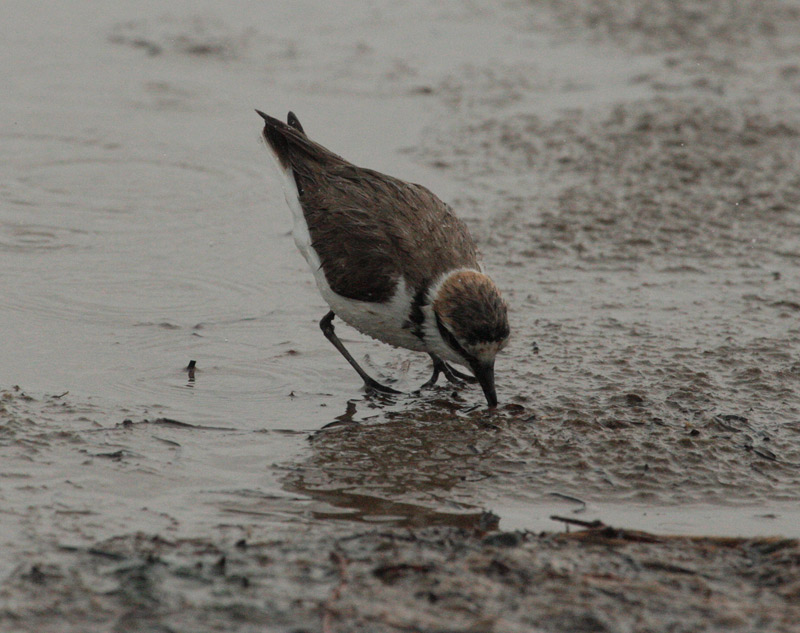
(279, 134)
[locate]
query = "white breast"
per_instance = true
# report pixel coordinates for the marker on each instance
(382, 321)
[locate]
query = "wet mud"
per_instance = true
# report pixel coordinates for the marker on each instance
(429, 579)
(630, 171)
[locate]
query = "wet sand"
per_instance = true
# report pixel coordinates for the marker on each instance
(429, 579)
(630, 171)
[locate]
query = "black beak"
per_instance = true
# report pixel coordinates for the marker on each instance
(484, 372)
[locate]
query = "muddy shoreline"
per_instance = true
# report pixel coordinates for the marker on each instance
(428, 579)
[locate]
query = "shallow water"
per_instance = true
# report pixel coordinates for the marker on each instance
(637, 207)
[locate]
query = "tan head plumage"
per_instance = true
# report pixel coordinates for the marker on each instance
(469, 304)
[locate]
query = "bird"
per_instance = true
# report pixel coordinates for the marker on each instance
(391, 260)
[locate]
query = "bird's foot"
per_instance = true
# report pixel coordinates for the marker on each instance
(373, 386)
(457, 377)
(452, 374)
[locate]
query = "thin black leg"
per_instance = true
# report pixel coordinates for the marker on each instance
(438, 368)
(326, 325)
(452, 374)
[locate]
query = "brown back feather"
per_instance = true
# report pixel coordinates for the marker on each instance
(370, 229)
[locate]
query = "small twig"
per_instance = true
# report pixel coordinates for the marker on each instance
(592, 525)
(561, 495)
(190, 369)
(764, 453)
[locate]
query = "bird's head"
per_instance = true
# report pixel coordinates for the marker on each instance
(472, 320)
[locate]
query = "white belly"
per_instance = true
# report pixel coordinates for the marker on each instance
(382, 321)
